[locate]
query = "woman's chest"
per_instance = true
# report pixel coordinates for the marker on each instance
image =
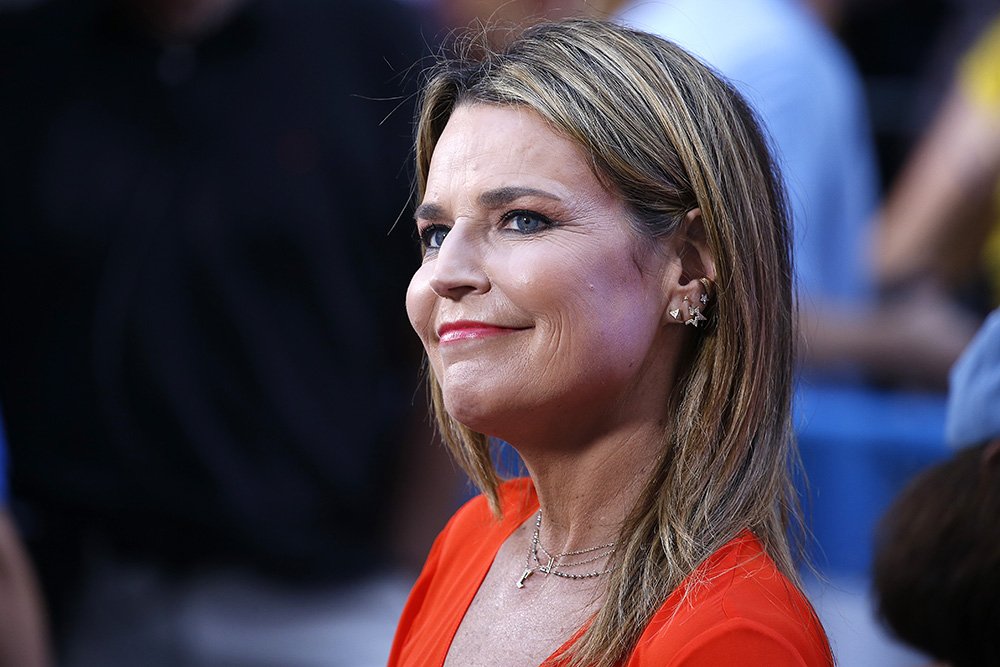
(510, 626)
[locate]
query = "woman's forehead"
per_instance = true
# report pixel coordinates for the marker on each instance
(493, 146)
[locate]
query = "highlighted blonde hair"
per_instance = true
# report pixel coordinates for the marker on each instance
(667, 135)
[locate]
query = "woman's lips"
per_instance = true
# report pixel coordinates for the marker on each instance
(469, 330)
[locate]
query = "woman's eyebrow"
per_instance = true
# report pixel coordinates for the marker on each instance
(429, 212)
(490, 199)
(503, 196)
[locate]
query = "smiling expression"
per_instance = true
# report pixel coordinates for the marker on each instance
(535, 298)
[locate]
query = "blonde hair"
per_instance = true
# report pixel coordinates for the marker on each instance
(667, 135)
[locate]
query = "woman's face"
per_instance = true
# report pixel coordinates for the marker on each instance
(535, 298)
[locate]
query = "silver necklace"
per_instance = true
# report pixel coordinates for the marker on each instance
(555, 561)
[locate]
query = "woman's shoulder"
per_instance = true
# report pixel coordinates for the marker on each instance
(737, 608)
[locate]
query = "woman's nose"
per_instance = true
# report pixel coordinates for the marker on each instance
(459, 268)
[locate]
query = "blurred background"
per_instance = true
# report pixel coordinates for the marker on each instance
(216, 444)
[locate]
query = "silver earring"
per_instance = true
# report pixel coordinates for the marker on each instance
(675, 313)
(707, 284)
(694, 314)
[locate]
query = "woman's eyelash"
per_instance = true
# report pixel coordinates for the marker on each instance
(526, 221)
(522, 220)
(432, 236)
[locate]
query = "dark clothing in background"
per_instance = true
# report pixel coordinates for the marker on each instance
(204, 356)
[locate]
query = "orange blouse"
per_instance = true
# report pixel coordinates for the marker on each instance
(743, 611)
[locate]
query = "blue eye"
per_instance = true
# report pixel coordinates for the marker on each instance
(526, 222)
(433, 236)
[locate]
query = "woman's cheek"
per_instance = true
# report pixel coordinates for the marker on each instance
(419, 305)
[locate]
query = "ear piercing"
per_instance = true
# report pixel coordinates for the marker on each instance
(694, 314)
(707, 284)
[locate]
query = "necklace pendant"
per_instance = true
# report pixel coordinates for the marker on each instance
(524, 575)
(547, 568)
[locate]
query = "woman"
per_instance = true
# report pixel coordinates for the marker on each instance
(605, 285)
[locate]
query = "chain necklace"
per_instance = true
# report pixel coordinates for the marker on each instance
(555, 560)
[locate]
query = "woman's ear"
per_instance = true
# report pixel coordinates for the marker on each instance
(692, 289)
(697, 260)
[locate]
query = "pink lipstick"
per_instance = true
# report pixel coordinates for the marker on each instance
(470, 330)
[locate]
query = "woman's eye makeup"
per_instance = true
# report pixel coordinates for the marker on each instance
(432, 236)
(519, 221)
(526, 222)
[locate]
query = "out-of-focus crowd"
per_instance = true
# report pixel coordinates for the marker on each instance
(217, 451)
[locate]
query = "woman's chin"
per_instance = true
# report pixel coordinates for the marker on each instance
(482, 414)
(469, 413)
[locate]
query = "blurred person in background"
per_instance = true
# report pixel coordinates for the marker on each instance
(204, 365)
(937, 565)
(23, 633)
(940, 225)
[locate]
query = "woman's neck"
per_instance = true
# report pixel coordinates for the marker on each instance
(585, 493)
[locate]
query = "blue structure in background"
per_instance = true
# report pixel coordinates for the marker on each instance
(859, 447)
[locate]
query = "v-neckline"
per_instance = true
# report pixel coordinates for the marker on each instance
(530, 507)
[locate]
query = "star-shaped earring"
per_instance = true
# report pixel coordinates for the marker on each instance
(695, 316)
